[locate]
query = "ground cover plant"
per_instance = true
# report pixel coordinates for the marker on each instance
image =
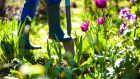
(107, 44)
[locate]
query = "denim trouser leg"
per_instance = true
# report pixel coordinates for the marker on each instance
(53, 1)
(29, 9)
(53, 14)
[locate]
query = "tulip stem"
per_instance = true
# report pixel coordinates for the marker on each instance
(106, 37)
(102, 12)
(98, 32)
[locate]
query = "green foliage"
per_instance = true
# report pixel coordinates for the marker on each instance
(79, 45)
(8, 40)
(100, 53)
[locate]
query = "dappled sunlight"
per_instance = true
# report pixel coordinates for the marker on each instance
(104, 41)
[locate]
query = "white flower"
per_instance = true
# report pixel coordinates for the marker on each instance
(111, 70)
(118, 61)
(119, 44)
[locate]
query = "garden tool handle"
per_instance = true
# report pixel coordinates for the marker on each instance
(68, 16)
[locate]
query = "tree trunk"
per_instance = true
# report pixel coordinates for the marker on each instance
(2, 8)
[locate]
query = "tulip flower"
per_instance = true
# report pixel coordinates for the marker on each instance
(100, 20)
(101, 3)
(84, 26)
(132, 0)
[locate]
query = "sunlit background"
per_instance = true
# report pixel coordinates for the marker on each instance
(101, 51)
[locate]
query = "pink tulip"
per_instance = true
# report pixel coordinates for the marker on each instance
(101, 3)
(100, 20)
(84, 26)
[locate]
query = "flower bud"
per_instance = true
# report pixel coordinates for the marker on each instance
(100, 20)
(101, 3)
(84, 26)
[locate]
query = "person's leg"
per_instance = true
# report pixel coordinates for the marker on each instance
(27, 13)
(29, 10)
(53, 14)
(55, 31)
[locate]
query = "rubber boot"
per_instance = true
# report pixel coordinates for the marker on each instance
(55, 31)
(27, 15)
(24, 39)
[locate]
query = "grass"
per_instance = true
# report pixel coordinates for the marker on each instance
(99, 53)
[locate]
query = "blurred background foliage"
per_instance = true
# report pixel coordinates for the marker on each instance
(11, 6)
(117, 57)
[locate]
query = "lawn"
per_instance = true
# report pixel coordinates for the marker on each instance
(107, 44)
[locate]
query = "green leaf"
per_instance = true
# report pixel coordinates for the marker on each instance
(134, 9)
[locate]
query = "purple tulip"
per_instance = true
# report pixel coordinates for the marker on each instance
(84, 26)
(100, 20)
(101, 3)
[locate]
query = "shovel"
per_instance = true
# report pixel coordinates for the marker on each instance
(68, 45)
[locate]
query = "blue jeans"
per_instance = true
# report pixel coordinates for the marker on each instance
(30, 8)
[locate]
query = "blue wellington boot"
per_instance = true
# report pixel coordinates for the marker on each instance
(28, 10)
(55, 31)
(24, 39)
